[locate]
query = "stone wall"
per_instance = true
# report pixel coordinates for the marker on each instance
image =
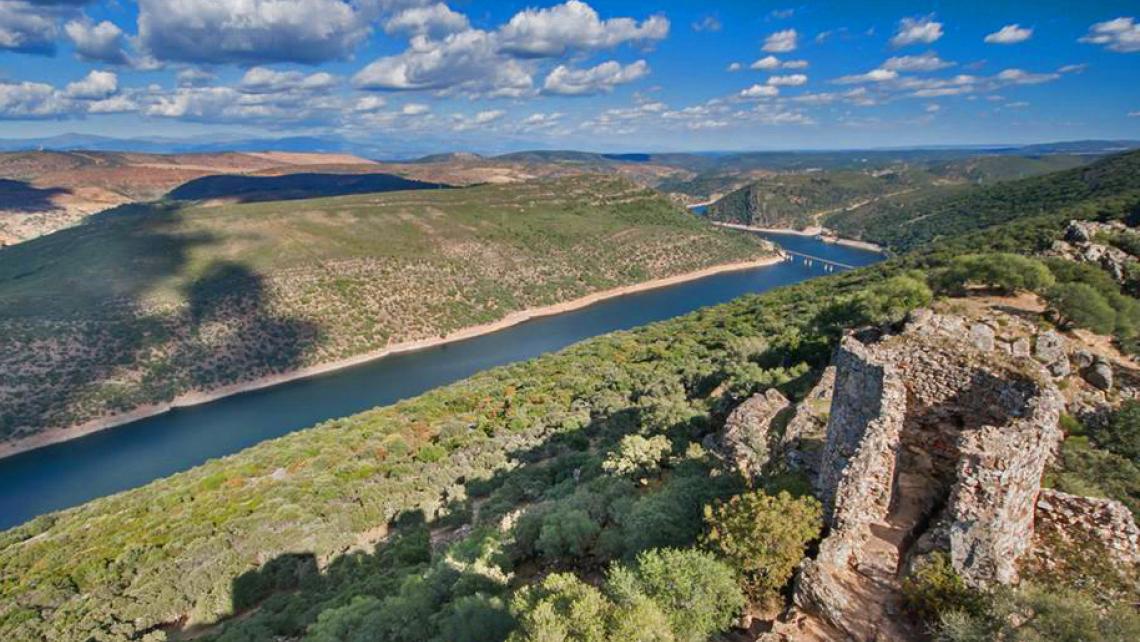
(1103, 520)
(934, 440)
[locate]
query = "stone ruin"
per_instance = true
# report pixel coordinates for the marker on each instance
(932, 443)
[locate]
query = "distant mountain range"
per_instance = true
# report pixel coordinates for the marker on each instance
(422, 150)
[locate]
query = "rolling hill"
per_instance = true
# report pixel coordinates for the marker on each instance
(147, 303)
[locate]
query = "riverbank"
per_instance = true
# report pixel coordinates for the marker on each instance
(811, 232)
(48, 438)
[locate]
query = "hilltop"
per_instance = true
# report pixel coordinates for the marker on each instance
(146, 304)
(42, 192)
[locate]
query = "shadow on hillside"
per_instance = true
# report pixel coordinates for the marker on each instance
(290, 592)
(249, 189)
(22, 197)
(114, 298)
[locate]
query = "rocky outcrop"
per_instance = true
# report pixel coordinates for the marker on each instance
(1081, 244)
(932, 443)
(806, 432)
(744, 441)
(1105, 521)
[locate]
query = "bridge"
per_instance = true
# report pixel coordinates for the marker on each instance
(809, 260)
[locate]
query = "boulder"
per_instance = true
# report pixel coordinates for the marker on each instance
(1020, 347)
(1050, 347)
(982, 337)
(1099, 375)
(1080, 232)
(1083, 359)
(744, 439)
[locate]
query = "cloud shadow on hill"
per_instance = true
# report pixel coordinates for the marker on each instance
(250, 189)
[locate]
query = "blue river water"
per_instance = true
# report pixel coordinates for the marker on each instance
(117, 459)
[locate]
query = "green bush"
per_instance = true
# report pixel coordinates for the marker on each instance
(1121, 433)
(637, 454)
(1001, 272)
(1032, 614)
(697, 593)
(763, 537)
(1080, 305)
(934, 588)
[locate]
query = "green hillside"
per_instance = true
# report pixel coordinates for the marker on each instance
(912, 220)
(795, 200)
(148, 302)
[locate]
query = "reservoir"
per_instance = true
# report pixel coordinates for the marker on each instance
(73, 472)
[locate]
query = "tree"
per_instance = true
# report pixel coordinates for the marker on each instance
(697, 593)
(562, 608)
(1079, 304)
(567, 532)
(636, 454)
(1001, 272)
(763, 537)
(1121, 434)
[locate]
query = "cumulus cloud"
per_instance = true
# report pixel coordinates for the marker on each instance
(781, 41)
(875, 75)
(917, 30)
(595, 80)
(252, 31)
(734, 66)
(262, 80)
(30, 100)
(790, 80)
(461, 122)
(1022, 77)
(468, 60)
(766, 63)
(1072, 69)
(760, 91)
(101, 42)
(572, 26)
(191, 77)
(541, 120)
(795, 64)
(30, 27)
(96, 85)
(928, 61)
(437, 20)
(1120, 34)
(1009, 35)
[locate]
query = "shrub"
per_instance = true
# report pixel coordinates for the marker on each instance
(636, 454)
(1000, 272)
(1121, 434)
(696, 592)
(1080, 305)
(1036, 615)
(934, 589)
(763, 537)
(562, 607)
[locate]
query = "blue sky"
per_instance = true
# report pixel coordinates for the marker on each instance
(603, 74)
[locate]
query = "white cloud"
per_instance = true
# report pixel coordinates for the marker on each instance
(191, 77)
(708, 23)
(734, 66)
(262, 80)
(253, 31)
(765, 63)
(101, 42)
(781, 41)
(436, 20)
(917, 30)
(1020, 104)
(113, 105)
(1072, 69)
(461, 122)
(595, 80)
(1010, 35)
(875, 75)
(1120, 34)
(1022, 77)
(30, 26)
(415, 109)
(369, 103)
(468, 61)
(96, 85)
(25, 100)
(933, 108)
(790, 80)
(928, 61)
(760, 91)
(541, 120)
(572, 26)
(795, 64)
(1134, 114)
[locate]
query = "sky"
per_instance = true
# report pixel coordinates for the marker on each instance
(610, 75)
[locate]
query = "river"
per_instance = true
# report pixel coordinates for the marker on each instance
(131, 455)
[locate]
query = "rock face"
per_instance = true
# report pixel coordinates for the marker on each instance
(932, 443)
(1080, 245)
(1099, 375)
(806, 432)
(1103, 520)
(744, 439)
